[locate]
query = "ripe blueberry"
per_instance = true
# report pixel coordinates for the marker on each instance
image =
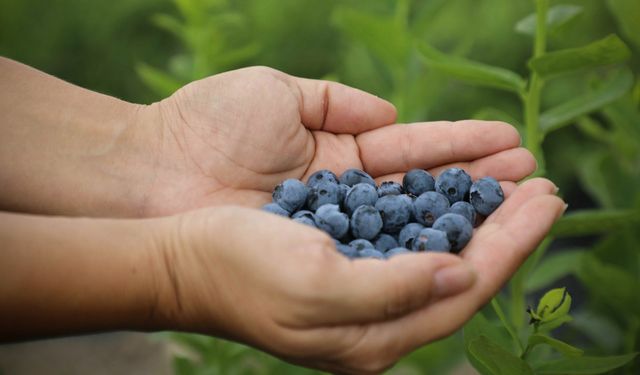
(430, 239)
(354, 176)
(486, 195)
(430, 206)
(458, 230)
(366, 222)
(418, 181)
(454, 183)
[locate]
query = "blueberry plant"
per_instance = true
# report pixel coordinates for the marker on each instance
(575, 100)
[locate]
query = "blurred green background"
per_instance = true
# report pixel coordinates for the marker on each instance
(142, 50)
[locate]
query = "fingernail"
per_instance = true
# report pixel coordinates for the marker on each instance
(556, 190)
(453, 280)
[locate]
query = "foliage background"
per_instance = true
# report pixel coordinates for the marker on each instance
(141, 50)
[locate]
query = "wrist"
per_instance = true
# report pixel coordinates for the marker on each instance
(68, 276)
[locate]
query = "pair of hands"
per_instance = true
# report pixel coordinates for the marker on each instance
(278, 285)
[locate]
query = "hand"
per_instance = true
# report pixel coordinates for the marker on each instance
(230, 138)
(281, 286)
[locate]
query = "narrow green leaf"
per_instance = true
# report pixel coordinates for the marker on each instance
(556, 16)
(606, 51)
(497, 360)
(563, 114)
(584, 365)
(480, 326)
(385, 37)
(561, 346)
(589, 222)
(160, 82)
(184, 366)
(627, 13)
(506, 323)
(552, 268)
(615, 286)
(471, 71)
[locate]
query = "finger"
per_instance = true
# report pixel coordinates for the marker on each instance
(338, 108)
(524, 192)
(399, 148)
(369, 289)
(495, 253)
(509, 165)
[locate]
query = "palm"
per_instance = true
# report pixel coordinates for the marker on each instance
(232, 137)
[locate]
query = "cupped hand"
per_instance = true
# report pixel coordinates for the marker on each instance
(281, 286)
(230, 138)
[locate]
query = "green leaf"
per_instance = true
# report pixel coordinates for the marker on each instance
(606, 51)
(495, 359)
(385, 37)
(563, 114)
(160, 82)
(184, 366)
(471, 71)
(615, 286)
(556, 16)
(627, 13)
(480, 326)
(587, 222)
(552, 268)
(584, 365)
(561, 346)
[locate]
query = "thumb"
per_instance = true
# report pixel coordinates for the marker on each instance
(337, 108)
(374, 290)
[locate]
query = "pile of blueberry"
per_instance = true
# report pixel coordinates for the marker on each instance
(370, 221)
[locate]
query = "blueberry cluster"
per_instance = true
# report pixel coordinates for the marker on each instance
(371, 221)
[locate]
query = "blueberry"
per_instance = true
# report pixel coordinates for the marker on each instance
(408, 234)
(322, 175)
(360, 195)
(454, 183)
(342, 193)
(395, 211)
(361, 244)
(389, 188)
(430, 239)
(303, 213)
(430, 206)
(396, 251)
(275, 208)
(290, 194)
(354, 176)
(366, 222)
(323, 193)
(465, 209)
(418, 181)
(306, 221)
(486, 195)
(384, 242)
(347, 251)
(370, 253)
(331, 220)
(458, 230)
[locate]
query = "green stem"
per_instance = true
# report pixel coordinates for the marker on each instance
(496, 307)
(532, 97)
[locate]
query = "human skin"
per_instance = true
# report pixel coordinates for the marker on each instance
(226, 270)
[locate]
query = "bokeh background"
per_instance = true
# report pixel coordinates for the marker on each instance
(142, 50)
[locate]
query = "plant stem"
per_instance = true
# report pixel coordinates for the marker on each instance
(496, 307)
(532, 97)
